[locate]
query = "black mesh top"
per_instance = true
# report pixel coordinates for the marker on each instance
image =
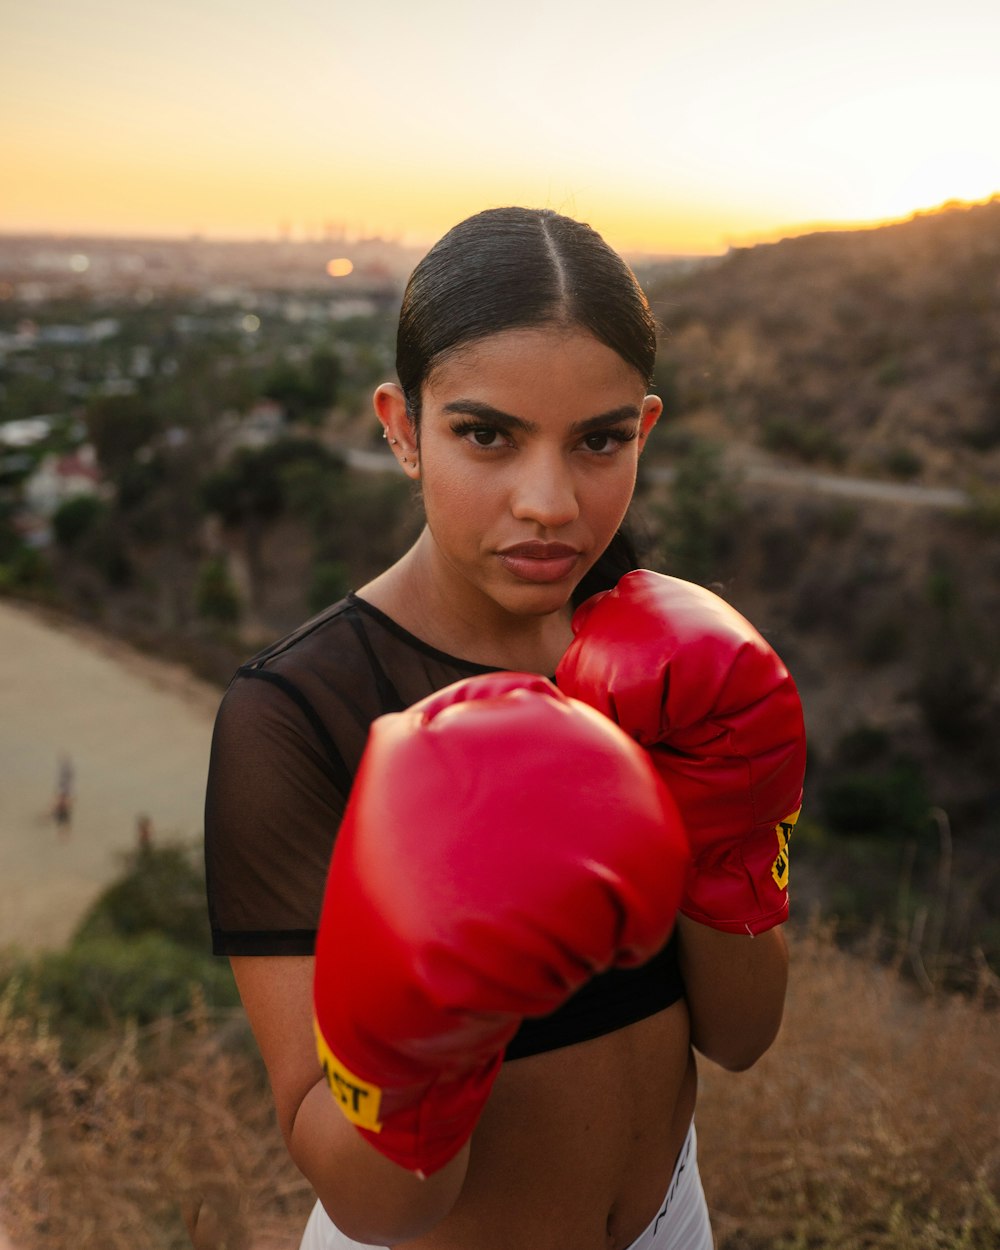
(288, 738)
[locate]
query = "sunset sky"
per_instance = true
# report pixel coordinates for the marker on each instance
(671, 127)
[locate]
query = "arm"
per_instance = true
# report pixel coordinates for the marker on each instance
(735, 989)
(272, 809)
(369, 1198)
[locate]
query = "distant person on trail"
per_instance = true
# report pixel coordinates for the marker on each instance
(455, 892)
(143, 832)
(62, 804)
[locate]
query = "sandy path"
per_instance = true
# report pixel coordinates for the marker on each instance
(138, 733)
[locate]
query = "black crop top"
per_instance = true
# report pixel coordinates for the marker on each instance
(288, 739)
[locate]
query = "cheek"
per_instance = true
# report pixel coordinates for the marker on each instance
(457, 498)
(606, 501)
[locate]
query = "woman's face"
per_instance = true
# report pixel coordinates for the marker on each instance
(529, 443)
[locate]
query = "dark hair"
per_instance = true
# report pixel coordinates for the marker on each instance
(507, 268)
(510, 268)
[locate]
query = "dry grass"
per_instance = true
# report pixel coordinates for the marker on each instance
(873, 1123)
(107, 1156)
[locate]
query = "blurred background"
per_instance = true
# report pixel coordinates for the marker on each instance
(207, 216)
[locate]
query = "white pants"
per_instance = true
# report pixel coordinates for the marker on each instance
(680, 1224)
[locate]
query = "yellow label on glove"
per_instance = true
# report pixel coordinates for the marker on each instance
(358, 1100)
(783, 832)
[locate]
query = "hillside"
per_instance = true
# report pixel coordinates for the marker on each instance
(875, 354)
(875, 351)
(227, 511)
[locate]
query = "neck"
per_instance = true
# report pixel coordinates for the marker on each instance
(445, 612)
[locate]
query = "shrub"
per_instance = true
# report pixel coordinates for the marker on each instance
(806, 439)
(161, 891)
(76, 518)
(882, 642)
(97, 984)
(216, 598)
(698, 521)
(330, 582)
(951, 696)
(885, 799)
(903, 463)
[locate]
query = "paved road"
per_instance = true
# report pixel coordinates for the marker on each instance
(137, 732)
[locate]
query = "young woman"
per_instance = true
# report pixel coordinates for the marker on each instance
(524, 353)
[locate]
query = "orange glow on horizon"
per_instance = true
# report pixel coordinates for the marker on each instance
(746, 118)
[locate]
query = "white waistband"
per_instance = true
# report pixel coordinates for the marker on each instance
(680, 1224)
(682, 1221)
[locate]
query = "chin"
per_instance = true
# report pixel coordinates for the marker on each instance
(536, 600)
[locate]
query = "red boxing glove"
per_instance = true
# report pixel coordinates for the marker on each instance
(692, 681)
(502, 844)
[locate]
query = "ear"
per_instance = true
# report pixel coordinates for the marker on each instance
(390, 408)
(652, 407)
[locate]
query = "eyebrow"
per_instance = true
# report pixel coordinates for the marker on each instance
(506, 420)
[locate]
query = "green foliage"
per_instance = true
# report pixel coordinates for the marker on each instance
(883, 797)
(952, 695)
(75, 518)
(162, 891)
(141, 953)
(891, 372)
(95, 983)
(883, 642)
(362, 524)
(216, 597)
(306, 393)
(25, 569)
(312, 487)
(252, 487)
(807, 440)
(10, 539)
(903, 463)
(983, 513)
(699, 519)
(865, 744)
(330, 582)
(119, 425)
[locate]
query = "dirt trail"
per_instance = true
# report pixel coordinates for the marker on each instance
(137, 732)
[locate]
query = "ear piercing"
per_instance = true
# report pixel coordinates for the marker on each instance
(385, 434)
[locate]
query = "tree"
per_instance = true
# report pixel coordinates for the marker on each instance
(699, 518)
(119, 425)
(215, 594)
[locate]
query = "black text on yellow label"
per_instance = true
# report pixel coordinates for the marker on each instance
(783, 832)
(359, 1100)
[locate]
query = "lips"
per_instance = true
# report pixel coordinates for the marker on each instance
(538, 561)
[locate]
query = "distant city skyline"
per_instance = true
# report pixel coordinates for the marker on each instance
(674, 129)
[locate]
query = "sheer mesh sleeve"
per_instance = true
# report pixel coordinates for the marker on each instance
(288, 739)
(277, 789)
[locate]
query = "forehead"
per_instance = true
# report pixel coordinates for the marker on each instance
(515, 369)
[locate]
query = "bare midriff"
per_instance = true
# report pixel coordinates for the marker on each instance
(576, 1147)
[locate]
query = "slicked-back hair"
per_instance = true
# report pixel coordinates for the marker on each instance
(512, 268)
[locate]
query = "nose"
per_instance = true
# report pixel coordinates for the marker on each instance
(545, 492)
